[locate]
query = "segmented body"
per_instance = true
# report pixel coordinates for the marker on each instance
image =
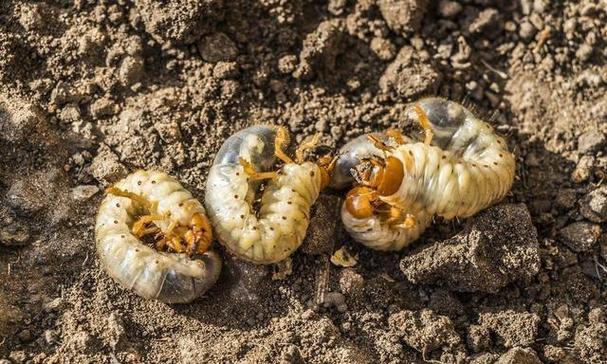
(279, 226)
(373, 231)
(376, 234)
(465, 169)
(168, 277)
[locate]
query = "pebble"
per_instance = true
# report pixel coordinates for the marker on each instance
(337, 300)
(584, 52)
(403, 16)
(84, 192)
(351, 283)
(594, 205)
(104, 107)
(487, 20)
(50, 337)
(131, 70)
(519, 356)
(287, 63)
(449, 9)
(591, 141)
(527, 31)
(25, 336)
(217, 47)
(566, 198)
(580, 236)
(583, 169)
(383, 48)
(106, 167)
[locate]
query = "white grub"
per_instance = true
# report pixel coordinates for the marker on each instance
(154, 203)
(277, 228)
(461, 168)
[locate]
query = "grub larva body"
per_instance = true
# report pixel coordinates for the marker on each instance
(152, 274)
(466, 168)
(461, 168)
(279, 225)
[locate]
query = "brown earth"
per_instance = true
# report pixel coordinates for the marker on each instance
(90, 90)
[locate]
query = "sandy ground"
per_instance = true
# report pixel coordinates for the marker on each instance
(90, 90)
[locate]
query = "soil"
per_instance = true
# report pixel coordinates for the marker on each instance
(91, 90)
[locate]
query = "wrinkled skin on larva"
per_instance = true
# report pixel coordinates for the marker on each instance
(280, 225)
(167, 277)
(465, 168)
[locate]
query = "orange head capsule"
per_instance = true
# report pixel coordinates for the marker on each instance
(383, 175)
(359, 202)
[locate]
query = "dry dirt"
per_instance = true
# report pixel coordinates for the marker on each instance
(90, 90)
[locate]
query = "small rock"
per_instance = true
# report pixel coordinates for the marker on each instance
(519, 356)
(449, 9)
(320, 49)
(106, 167)
(527, 31)
(566, 198)
(131, 70)
(594, 205)
(217, 47)
(511, 328)
(554, 353)
(383, 48)
(403, 16)
(104, 107)
(488, 22)
(351, 283)
(25, 336)
(50, 337)
(580, 236)
(591, 141)
(179, 21)
(84, 192)
(583, 169)
(287, 64)
(17, 356)
(591, 342)
(337, 300)
(69, 113)
(498, 246)
(425, 330)
(225, 70)
(584, 52)
(408, 76)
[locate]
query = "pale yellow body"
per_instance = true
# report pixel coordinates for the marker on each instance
(472, 171)
(169, 277)
(280, 226)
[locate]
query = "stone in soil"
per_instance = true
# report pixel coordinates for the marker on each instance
(509, 328)
(217, 47)
(591, 141)
(498, 246)
(580, 236)
(519, 356)
(179, 21)
(594, 205)
(320, 49)
(403, 16)
(409, 77)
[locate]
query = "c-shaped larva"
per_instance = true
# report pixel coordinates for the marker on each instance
(369, 221)
(279, 226)
(153, 208)
(461, 168)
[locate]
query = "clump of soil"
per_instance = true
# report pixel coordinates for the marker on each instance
(90, 91)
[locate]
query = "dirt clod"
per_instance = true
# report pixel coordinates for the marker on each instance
(580, 236)
(407, 78)
(498, 246)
